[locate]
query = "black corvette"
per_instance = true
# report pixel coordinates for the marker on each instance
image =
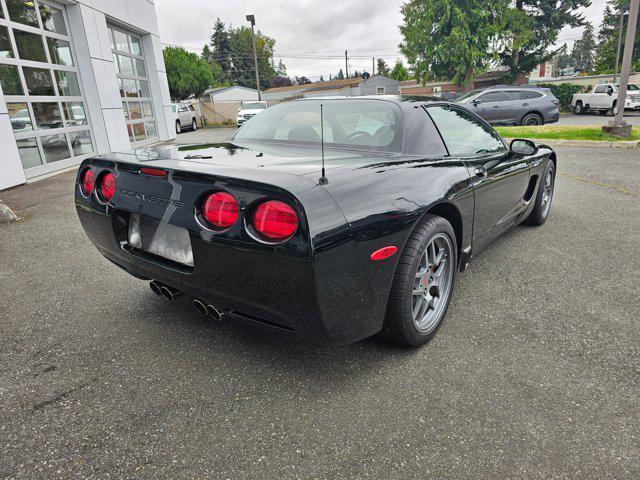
(334, 219)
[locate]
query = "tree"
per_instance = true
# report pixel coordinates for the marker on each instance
(608, 38)
(382, 67)
(220, 46)
(279, 81)
(532, 28)
(302, 80)
(584, 50)
(187, 73)
(356, 74)
(399, 72)
(281, 71)
(321, 79)
(451, 39)
(340, 75)
(240, 40)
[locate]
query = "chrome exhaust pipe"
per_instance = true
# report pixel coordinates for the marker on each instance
(201, 307)
(214, 312)
(170, 293)
(155, 287)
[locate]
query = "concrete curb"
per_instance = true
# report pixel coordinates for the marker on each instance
(583, 143)
(6, 214)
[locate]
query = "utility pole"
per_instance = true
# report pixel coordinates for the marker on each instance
(346, 64)
(619, 127)
(623, 12)
(373, 66)
(252, 20)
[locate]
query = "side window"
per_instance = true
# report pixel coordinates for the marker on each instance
(513, 95)
(600, 89)
(465, 134)
(489, 97)
(532, 94)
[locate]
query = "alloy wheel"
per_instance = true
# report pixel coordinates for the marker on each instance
(432, 284)
(547, 193)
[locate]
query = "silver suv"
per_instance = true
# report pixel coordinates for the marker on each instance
(513, 105)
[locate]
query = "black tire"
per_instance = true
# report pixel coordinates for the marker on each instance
(541, 209)
(399, 325)
(532, 119)
(578, 108)
(194, 125)
(178, 127)
(614, 110)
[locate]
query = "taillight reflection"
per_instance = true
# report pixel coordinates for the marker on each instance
(107, 187)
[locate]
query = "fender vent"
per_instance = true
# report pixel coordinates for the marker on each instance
(533, 181)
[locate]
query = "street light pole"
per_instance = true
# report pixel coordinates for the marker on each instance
(252, 20)
(623, 12)
(619, 126)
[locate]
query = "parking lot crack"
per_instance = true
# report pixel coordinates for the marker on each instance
(597, 183)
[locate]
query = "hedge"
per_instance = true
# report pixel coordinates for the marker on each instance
(563, 92)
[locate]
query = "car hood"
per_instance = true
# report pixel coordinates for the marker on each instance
(254, 112)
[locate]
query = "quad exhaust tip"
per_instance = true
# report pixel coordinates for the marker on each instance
(156, 288)
(162, 290)
(208, 310)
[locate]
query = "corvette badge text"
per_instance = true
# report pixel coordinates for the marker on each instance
(151, 198)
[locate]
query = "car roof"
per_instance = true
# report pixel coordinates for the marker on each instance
(401, 100)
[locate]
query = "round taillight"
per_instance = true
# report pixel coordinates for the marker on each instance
(220, 210)
(86, 182)
(107, 187)
(275, 220)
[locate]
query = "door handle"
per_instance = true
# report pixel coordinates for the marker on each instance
(496, 106)
(481, 172)
(525, 104)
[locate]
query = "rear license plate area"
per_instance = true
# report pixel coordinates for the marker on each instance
(161, 239)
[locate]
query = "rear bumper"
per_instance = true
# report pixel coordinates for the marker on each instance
(552, 117)
(324, 299)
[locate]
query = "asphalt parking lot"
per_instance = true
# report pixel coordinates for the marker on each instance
(630, 117)
(534, 374)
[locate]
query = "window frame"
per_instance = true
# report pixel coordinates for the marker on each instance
(51, 67)
(140, 100)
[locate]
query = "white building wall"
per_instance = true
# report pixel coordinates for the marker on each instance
(88, 23)
(235, 94)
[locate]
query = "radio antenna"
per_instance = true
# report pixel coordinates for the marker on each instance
(323, 179)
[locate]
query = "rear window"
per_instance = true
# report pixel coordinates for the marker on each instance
(254, 106)
(360, 124)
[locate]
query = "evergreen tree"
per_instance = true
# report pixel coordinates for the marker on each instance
(241, 49)
(321, 79)
(220, 46)
(608, 38)
(340, 75)
(382, 67)
(532, 28)
(584, 50)
(188, 74)
(399, 72)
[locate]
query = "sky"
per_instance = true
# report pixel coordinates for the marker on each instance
(311, 35)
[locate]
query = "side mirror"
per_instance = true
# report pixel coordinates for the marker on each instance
(609, 92)
(521, 146)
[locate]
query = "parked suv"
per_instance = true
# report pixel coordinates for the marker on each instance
(248, 110)
(513, 105)
(185, 116)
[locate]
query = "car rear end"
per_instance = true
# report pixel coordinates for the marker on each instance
(548, 105)
(235, 243)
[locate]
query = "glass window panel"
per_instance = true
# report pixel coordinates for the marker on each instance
(120, 41)
(141, 70)
(130, 130)
(139, 132)
(39, 81)
(22, 11)
(136, 47)
(126, 65)
(47, 115)
(20, 117)
(81, 143)
(130, 88)
(144, 89)
(68, 85)
(120, 87)
(60, 51)
(30, 46)
(74, 113)
(55, 147)
(52, 19)
(126, 110)
(135, 111)
(147, 109)
(29, 153)
(151, 129)
(10, 80)
(5, 44)
(115, 62)
(113, 45)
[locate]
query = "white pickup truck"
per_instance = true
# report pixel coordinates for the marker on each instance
(604, 99)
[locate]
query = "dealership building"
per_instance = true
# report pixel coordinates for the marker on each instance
(78, 78)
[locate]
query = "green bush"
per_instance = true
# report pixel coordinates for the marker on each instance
(563, 92)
